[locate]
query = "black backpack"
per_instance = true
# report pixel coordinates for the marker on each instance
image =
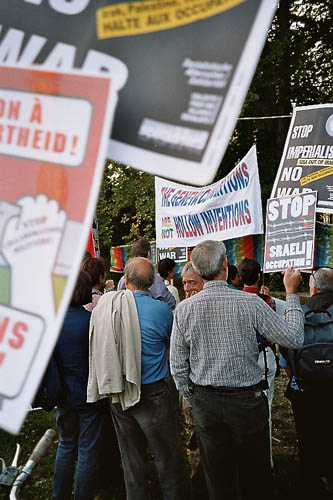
(312, 364)
(52, 389)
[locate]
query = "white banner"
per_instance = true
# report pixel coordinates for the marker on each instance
(230, 208)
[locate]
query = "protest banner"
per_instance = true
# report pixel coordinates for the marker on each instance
(290, 230)
(119, 256)
(307, 159)
(183, 87)
(324, 245)
(250, 247)
(54, 132)
(230, 208)
(178, 254)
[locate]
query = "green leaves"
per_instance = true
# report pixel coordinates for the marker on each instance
(295, 69)
(126, 206)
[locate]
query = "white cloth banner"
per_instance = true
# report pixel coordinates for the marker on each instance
(230, 208)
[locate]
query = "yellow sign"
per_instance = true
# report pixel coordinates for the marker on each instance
(316, 175)
(136, 18)
(310, 162)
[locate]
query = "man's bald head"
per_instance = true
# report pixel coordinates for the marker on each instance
(139, 274)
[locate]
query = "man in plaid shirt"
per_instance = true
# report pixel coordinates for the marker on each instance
(214, 361)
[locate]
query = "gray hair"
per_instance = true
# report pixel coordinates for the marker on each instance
(140, 272)
(188, 268)
(322, 279)
(207, 258)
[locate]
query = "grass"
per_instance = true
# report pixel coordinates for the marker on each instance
(36, 423)
(39, 486)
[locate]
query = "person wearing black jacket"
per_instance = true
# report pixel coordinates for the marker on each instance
(79, 423)
(313, 407)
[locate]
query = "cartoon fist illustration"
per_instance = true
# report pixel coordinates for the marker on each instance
(30, 244)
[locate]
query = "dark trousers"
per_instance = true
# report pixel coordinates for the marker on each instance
(233, 435)
(313, 415)
(80, 432)
(152, 421)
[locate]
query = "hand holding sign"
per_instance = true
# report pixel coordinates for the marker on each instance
(291, 280)
(30, 245)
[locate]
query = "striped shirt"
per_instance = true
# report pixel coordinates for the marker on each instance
(213, 340)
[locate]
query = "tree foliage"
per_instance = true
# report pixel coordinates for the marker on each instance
(126, 206)
(295, 69)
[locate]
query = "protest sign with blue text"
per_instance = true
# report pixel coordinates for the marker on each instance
(230, 208)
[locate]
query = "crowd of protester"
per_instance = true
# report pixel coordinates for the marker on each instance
(117, 351)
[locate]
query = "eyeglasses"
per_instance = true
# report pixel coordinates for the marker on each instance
(314, 271)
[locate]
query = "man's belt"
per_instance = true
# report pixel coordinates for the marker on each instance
(220, 388)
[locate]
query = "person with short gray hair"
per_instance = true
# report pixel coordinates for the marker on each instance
(322, 280)
(214, 362)
(312, 406)
(192, 283)
(210, 267)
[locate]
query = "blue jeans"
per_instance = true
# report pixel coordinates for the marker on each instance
(154, 421)
(79, 439)
(233, 435)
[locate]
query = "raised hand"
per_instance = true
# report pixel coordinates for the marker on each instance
(30, 244)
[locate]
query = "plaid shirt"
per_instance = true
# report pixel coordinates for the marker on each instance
(213, 340)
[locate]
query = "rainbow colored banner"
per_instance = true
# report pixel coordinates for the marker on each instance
(237, 248)
(323, 245)
(249, 246)
(120, 255)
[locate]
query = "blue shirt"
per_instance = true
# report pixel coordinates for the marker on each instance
(155, 318)
(284, 364)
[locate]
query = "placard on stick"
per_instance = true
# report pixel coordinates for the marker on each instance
(290, 230)
(54, 129)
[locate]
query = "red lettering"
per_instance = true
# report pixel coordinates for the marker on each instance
(3, 328)
(14, 109)
(59, 143)
(11, 129)
(18, 329)
(23, 136)
(47, 140)
(2, 106)
(36, 139)
(2, 357)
